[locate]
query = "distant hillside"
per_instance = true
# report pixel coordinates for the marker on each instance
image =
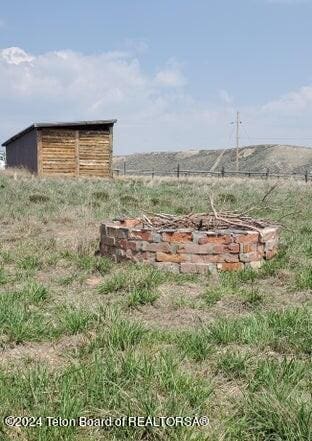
(278, 158)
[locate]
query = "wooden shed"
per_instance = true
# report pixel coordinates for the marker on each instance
(83, 148)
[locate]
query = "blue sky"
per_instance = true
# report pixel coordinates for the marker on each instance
(173, 72)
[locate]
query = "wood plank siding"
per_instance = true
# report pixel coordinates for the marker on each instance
(58, 154)
(82, 148)
(76, 152)
(94, 153)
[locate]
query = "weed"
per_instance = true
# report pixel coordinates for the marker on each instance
(128, 199)
(29, 263)
(196, 344)
(212, 296)
(3, 277)
(304, 278)
(233, 364)
(136, 278)
(252, 298)
(38, 198)
(101, 195)
(227, 197)
(140, 297)
(35, 293)
(74, 320)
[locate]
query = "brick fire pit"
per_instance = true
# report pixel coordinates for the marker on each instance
(188, 250)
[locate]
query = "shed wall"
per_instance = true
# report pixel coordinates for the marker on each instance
(57, 152)
(23, 152)
(95, 153)
(82, 152)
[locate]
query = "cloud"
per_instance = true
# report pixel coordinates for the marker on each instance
(136, 45)
(15, 55)
(291, 103)
(171, 75)
(155, 111)
(68, 85)
(225, 96)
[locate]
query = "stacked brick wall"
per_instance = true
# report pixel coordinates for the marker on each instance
(187, 250)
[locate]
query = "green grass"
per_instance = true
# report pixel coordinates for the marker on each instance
(81, 335)
(212, 296)
(74, 320)
(140, 297)
(304, 278)
(139, 277)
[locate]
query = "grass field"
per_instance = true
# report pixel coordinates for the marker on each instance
(81, 336)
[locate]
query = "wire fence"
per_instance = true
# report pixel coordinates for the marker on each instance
(179, 172)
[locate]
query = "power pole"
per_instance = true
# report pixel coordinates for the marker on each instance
(238, 122)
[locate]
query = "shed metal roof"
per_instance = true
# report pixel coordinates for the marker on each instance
(76, 124)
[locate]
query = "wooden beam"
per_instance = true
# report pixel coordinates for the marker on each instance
(111, 151)
(39, 153)
(77, 151)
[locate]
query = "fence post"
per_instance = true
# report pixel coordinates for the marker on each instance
(153, 173)
(222, 171)
(124, 168)
(267, 173)
(178, 170)
(306, 176)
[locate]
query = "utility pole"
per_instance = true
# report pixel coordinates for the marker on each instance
(238, 122)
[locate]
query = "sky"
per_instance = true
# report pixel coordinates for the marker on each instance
(172, 72)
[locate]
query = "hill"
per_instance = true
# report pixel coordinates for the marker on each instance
(278, 158)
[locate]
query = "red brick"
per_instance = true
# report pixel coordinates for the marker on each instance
(250, 237)
(142, 256)
(120, 254)
(230, 266)
(232, 248)
(129, 254)
(188, 267)
(270, 245)
(260, 250)
(129, 244)
(166, 257)
(103, 249)
(140, 234)
(177, 236)
(269, 233)
(270, 253)
(230, 257)
(226, 239)
(248, 247)
(199, 268)
(203, 258)
(249, 257)
(254, 265)
(212, 258)
(107, 240)
(151, 246)
(167, 266)
(130, 223)
(200, 249)
(117, 231)
(203, 268)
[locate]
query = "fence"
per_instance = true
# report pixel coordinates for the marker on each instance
(179, 172)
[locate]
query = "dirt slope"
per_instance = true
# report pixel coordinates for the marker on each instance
(278, 158)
